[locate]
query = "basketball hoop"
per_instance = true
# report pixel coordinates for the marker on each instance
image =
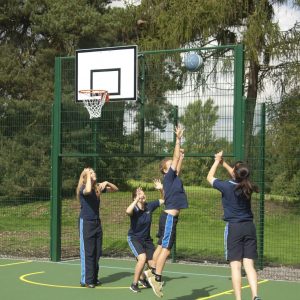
(93, 101)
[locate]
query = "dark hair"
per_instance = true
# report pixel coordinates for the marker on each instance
(134, 193)
(244, 185)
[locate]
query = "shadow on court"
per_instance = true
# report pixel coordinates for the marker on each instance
(115, 277)
(198, 293)
(167, 279)
(122, 275)
(27, 280)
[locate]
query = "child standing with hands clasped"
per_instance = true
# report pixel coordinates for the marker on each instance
(240, 233)
(139, 239)
(90, 230)
(175, 200)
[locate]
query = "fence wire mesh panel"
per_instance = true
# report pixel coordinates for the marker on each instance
(282, 188)
(25, 130)
(126, 145)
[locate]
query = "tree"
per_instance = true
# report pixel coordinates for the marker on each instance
(283, 150)
(201, 23)
(199, 121)
(32, 34)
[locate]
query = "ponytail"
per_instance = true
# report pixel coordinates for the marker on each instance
(244, 185)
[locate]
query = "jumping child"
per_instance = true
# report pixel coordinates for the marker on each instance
(139, 239)
(175, 200)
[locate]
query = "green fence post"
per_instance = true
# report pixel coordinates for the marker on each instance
(55, 226)
(142, 103)
(239, 107)
(175, 115)
(262, 189)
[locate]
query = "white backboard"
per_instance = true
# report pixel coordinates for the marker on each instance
(113, 69)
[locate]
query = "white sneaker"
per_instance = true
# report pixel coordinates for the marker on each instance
(156, 286)
(148, 273)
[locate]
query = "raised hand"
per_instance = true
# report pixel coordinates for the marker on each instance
(87, 171)
(219, 156)
(179, 131)
(101, 185)
(157, 184)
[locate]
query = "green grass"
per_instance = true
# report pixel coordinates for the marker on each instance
(24, 229)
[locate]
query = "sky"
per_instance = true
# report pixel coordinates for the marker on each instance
(286, 15)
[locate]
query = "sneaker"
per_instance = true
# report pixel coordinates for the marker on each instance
(144, 283)
(98, 282)
(257, 298)
(148, 273)
(135, 288)
(156, 286)
(88, 285)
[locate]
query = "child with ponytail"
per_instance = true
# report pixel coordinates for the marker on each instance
(240, 233)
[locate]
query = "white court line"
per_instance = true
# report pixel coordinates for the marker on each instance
(66, 262)
(169, 272)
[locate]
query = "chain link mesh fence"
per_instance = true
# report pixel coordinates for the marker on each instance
(125, 147)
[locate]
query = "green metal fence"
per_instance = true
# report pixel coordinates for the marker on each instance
(125, 146)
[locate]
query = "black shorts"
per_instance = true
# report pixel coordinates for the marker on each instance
(139, 246)
(167, 230)
(240, 241)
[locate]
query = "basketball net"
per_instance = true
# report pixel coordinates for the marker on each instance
(93, 101)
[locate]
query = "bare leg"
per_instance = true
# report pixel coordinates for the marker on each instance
(236, 277)
(151, 263)
(251, 275)
(161, 260)
(156, 253)
(139, 267)
(155, 281)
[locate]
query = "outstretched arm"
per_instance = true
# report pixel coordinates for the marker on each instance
(228, 168)
(88, 185)
(110, 187)
(181, 157)
(176, 154)
(130, 208)
(158, 186)
(213, 169)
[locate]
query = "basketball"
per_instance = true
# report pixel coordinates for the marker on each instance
(193, 61)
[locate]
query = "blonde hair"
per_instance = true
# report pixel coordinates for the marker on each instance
(82, 181)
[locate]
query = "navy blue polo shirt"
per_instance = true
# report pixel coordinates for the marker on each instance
(175, 197)
(237, 208)
(140, 220)
(89, 205)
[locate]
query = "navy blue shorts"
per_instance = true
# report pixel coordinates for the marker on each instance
(139, 246)
(240, 241)
(167, 230)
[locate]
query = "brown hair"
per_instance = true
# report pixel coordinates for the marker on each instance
(134, 193)
(162, 165)
(242, 174)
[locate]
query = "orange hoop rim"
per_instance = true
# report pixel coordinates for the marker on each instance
(96, 93)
